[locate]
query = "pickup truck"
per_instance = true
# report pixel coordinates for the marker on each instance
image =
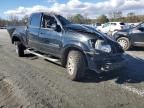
(76, 46)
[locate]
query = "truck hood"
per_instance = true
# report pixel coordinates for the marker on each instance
(12, 29)
(79, 28)
(91, 33)
(85, 30)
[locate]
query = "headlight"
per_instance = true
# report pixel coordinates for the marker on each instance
(100, 45)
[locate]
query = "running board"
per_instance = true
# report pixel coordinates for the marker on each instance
(42, 56)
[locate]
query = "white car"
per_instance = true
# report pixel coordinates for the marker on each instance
(111, 27)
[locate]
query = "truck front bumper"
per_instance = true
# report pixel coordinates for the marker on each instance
(105, 62)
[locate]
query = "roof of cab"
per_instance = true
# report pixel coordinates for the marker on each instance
(45, 13)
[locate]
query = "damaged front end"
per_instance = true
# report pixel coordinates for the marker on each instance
(106, 55)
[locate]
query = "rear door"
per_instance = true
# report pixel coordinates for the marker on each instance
(137, 35)
(33, 30)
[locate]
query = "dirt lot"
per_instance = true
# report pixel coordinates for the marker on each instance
(31, 82)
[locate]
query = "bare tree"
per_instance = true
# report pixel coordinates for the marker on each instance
(131, 14)
(3, 22)
(13, 20)
(78, 18)
(102, 19)
(115, 14)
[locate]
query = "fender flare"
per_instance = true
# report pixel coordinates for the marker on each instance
(73, 46)
(15, 38)
(117, 36)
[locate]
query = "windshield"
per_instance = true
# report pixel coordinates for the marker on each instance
(63, 20)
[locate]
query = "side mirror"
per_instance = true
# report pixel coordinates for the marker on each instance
(58, 28)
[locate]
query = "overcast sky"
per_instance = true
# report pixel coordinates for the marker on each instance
(91, 8)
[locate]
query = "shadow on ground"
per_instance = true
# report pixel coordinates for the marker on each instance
(137, 49)
(31, 56)
(132, 73)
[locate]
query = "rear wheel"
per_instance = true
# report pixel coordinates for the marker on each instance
(124, 42)
(19, 49)
(76, 65)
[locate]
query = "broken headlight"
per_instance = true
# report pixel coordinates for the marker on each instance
(100, 45)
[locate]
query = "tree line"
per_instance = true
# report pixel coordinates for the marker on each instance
(14, 21)
(81, 19)
(113, 17)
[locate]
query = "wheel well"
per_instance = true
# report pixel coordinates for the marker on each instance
(121, 37)
(15, 38)
(66, 52)
(116, 30)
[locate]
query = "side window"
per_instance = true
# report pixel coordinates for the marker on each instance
(35, 20)
(113, 24)
(48, 22)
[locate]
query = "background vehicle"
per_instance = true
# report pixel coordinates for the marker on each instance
(131, 37)
(4, 27)
(77, 47)
(111, 27)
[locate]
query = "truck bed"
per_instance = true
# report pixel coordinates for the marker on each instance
(12, 29)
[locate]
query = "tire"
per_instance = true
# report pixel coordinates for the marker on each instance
(124, 42)
(19, 49)
(76, 65)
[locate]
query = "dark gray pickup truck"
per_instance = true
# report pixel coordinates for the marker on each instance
(76, 46)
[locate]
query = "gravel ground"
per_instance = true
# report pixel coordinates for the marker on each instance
(31, 82)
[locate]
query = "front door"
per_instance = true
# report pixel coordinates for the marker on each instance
(49, 39)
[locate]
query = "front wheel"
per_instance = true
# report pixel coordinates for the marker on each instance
(76, 65)
(124, 42)
(19, 49)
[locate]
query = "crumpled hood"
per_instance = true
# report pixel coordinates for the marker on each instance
(77, 27)
(88, 31)
(92, 33)
(82, 29)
